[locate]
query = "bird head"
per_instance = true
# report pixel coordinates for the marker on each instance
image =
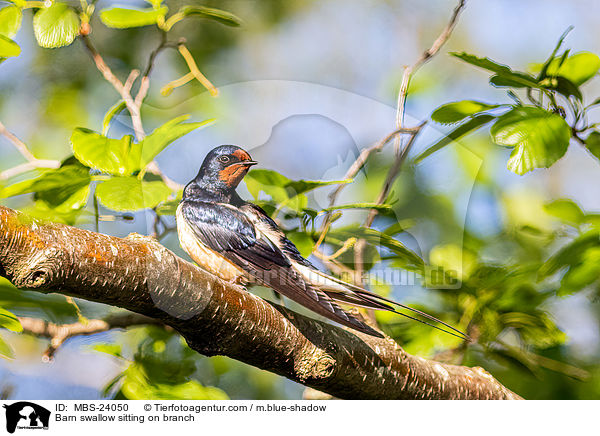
(224, 167)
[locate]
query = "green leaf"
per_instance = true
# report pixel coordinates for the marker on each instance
(65, 188)
(113, 111)
(10, 321)
(211, 13)
(557, 47)
(454, 259)
(459, 110)
(539, 137)
(282, 189)
(566, 210)
(302, 241)
(578, 68)
(6, 350)
(583, 273)
(10, 21)
(155, 3)
(514, 80)
(131, 194)
(485, 63)
(169, 207)
(592, 142)
(121, 18)
(376, 206)
(504, 75)
(112, 349)
(475, 123)
(19, 3)
(137, 385)
(8, 48)
(570, 254)
(55, 26)
(48, 306)
(162, 136)
(563, 86)
(378, 239)
(112, 156)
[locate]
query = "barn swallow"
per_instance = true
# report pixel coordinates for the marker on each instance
(237, 241)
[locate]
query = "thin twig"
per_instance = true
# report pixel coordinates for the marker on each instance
(59, 333)
(393, 173)
(32, 162)
(19, 145)
(133, 105)
(350, 174)
(425, 56)
(402, 152)
(145, 81)
(362, 159)
(196, 72)
(29, 166)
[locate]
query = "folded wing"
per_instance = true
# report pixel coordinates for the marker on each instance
(232, 233)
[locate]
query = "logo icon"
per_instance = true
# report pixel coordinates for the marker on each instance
(26, 415)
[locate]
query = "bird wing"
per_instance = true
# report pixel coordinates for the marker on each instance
(232, 233)
(333, 287)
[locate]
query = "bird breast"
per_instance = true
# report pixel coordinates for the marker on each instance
(206, 258)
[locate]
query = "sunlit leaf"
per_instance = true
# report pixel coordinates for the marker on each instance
(51, 306)
(302, 241)
(484, 63)
(514, 80)
(10, 20)
(570, 254)
(583, 273)
(283, 190)
(377, 239)
(6, 350)
(112, 349)
(138, 386)
(66, 187)
(592, 142)
(162, 136)
(454, 259)
(112, 156)
(578, 68)
(8, 48)
(376, 206)
(55, 26)
(539, 137)
(169, 207)
(566, 210)
(121, 18)
(131, 194)
(110, 114)
(211, 13)
(9, 321)
(474, 123)
(563, 86)
(459, 110)
(504, 76)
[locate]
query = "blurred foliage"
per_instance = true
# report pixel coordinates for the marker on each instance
(497, 283)
(539, 132)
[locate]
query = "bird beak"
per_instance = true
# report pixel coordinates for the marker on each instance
(248, 163)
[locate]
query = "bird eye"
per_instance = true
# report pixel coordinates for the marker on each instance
(224, 159)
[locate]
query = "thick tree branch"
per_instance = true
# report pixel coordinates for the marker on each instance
(215, 317)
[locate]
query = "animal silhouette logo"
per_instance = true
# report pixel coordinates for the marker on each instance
(26, 415)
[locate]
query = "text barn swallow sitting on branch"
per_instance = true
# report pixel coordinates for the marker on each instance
(237, 241)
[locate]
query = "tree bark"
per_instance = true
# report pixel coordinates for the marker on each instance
(218, 318)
